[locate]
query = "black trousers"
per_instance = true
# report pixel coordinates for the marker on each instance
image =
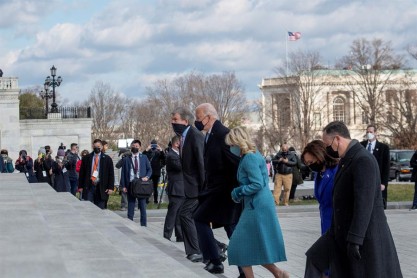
(189, 232)
(292, 191)
(172, 219)
(385, 196)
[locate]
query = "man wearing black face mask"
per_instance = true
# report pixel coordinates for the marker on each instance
(97, 175)
(134, 166)
(359, 236)
(191, 153)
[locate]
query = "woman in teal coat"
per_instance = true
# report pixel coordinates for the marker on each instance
(257, 239)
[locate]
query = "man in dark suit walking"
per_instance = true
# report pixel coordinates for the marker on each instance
(215, 203)
(175, 190)
(359, 242)
(191, 152)
(381, 153)
(135, 165)
(97, 175)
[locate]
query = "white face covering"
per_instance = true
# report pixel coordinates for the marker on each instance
(370, 136)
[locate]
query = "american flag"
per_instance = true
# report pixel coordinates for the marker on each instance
(293, 36)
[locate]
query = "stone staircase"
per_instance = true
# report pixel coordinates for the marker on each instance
(48, 234)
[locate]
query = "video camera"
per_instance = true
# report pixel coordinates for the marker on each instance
(62, 147)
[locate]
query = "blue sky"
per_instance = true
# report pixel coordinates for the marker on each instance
(132, 43)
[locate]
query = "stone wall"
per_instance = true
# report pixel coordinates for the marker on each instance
(53, 132)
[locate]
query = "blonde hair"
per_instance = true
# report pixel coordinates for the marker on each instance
(239, 136)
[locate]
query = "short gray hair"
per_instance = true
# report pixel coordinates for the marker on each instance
(184, 113)
(208, 109)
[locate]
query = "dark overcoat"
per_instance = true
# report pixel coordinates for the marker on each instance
(174, 170)
(220, 165)
(381, 153)
(106, 174)
(359, 218)
(192, 162)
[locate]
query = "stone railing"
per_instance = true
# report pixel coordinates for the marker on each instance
(9, 83)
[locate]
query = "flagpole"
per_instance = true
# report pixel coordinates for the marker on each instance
(286, 52)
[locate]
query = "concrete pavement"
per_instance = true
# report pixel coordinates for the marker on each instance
(49, 234)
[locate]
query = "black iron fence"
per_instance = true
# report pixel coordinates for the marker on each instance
(63, 113)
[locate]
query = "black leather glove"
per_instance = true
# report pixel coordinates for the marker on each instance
(353, 251)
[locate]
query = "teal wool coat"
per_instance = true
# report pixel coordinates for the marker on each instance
(257, 238)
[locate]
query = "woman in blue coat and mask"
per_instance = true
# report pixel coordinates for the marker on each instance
(325, 166)
(257, 239)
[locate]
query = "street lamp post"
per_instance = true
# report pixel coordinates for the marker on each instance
(52, 83)
(46, 96)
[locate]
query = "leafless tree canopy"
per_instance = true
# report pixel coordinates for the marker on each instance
(372, 64)
(117, 117)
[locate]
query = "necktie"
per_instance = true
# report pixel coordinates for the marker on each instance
(95, 167)
(370, 147)
(182, 144)
(136, 164)
(207, 136)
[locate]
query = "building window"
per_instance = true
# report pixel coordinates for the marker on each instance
(365, 119)
(339, 109)
(317, 120)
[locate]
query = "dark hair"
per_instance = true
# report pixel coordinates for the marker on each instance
(104, 142)
(4, 151)
(175, 139)
(374, 126)
(84, 152)
(337, 128)
(73, 144)
(154, 141)
(98, 141)
(136, 141)
(23, 151)
(317, 148)
(291, 149)
(184, 113)
(47, 148)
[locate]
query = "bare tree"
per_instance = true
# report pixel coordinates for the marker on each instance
(372, 64)
(296, 108)
(107, 106)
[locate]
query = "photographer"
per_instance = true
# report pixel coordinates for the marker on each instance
(47, 164)
(283, 163)
(156, 156)
(7, 162)
(73, 158)
(24, 164)
(39, 167)
(61, 177)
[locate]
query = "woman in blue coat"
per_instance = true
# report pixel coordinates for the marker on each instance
(257, 239)
(325, 166)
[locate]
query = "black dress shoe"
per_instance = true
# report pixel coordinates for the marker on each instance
(222, 256)
(179, 240)
(195, 258)
(215, 268)
(413, 208)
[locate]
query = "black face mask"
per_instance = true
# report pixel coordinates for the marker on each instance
(316, 167)
(331, 152)
(179, 128)
(199, 125)
(97, 150)
(134, 150)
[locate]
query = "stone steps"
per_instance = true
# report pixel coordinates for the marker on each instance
(48, 234)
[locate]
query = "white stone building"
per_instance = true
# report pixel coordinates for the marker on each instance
(333, 99)
(31, 134)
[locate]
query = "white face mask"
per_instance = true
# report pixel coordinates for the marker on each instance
(370, 136)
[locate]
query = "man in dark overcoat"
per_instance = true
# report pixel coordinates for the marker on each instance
(215, 203)
(97, 178)
(360, 241)
(381, 153)
(191, 153)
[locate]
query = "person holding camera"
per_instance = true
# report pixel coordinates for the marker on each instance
(156, 156)
(24, 164)
(48, 161)
(59, 168)
(283, 163)
(7, 162)
(39, 167)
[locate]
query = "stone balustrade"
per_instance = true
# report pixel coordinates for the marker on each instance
(9, 83)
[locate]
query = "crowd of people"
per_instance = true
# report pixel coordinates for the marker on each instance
(218, 179)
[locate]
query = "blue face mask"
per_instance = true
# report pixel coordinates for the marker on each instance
(235, 150)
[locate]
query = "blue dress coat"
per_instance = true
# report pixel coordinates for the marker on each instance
(257, 239)
(323, 191)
